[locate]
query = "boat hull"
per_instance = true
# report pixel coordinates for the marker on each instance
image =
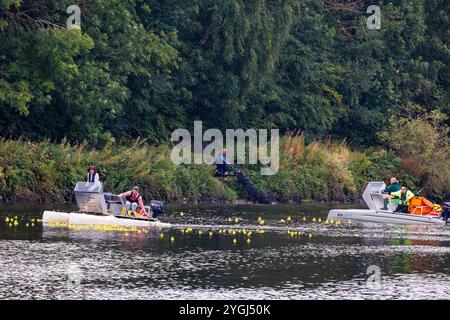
(75, 218)
(380, 216)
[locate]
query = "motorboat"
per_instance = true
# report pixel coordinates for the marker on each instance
(96, 207)
(374, 198)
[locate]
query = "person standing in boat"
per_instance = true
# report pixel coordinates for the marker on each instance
(92, 175)
(133, 200)
(403, 196)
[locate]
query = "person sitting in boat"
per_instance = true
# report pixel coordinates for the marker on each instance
(403, 196)
(133, 200)
(92, 175)
(393, 187)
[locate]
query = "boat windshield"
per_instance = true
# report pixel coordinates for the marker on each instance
(373, 196)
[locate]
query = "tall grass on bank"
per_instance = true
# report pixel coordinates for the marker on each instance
(319, 171)
(47, 172)
(324, 170)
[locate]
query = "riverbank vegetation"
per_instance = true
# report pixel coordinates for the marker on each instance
(323, 170)
(369, 103)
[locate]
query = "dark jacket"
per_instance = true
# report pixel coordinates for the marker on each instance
(392, 188)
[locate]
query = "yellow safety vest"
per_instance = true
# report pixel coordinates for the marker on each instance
(403, 200)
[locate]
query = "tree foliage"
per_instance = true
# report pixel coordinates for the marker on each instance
(141, 68)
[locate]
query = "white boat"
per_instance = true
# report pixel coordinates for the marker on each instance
(374, 199)
(84, 219)
(99, 208)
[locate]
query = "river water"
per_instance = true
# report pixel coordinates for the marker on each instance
(321, 261)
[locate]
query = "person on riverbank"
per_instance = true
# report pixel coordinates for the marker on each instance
(222, 164)
(404, 196)
(393, 187)
(133, 200)
(92, 175)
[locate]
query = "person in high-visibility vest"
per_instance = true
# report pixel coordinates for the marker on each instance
(403, 196)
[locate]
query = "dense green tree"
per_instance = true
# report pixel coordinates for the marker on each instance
(141, 68)
(69, 82)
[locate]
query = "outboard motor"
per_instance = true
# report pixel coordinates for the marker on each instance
(157, 208)
(446, 211)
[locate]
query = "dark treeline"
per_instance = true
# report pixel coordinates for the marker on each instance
(142, 68)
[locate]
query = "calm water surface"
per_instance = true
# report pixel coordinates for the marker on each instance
(323, 262)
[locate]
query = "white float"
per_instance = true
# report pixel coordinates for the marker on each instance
(55, 217)
(82, 219)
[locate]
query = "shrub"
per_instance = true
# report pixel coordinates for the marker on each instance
(421, 141)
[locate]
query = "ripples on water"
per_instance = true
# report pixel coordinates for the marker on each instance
(49, 263)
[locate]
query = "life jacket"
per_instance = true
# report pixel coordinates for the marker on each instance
(403, 198)
(91, 177)
(131, 198)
